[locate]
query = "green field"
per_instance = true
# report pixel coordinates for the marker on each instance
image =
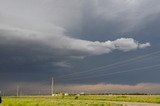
(88, 100)
(125, 98)
(51, 101)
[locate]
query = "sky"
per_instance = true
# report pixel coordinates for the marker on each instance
(91, 46)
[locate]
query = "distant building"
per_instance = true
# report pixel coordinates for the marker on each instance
(55, 94)
(60, 94)
(78, 95)
(66, 94)
(82, 93)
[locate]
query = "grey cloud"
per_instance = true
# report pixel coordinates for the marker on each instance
(34, 28)
(129, 15)
(62, 64)
(36, 35)
(61, 42)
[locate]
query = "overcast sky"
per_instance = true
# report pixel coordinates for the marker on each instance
(86, 45)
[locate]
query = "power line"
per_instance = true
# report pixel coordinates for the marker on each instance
(103, 70)
(113, 73)
(110, 65)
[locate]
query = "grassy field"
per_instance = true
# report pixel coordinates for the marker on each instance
(51, 101)
(125, 98)
(88, 100)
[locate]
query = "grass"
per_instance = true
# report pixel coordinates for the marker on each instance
(125, 98)
(88, 100)
(51, 101)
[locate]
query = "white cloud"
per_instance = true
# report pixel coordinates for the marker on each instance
(144, 45)
(59, 41)
(127, 44)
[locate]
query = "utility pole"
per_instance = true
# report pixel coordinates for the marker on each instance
(52, 86)
(3, 93)
(17, 91)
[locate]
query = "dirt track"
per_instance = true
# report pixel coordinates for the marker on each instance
(135, 103)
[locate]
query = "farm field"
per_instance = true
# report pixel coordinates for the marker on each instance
(86, 100)
(51, 101)
(125, 98)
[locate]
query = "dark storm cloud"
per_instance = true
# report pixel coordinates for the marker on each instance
(113, 19)
(40, 39)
